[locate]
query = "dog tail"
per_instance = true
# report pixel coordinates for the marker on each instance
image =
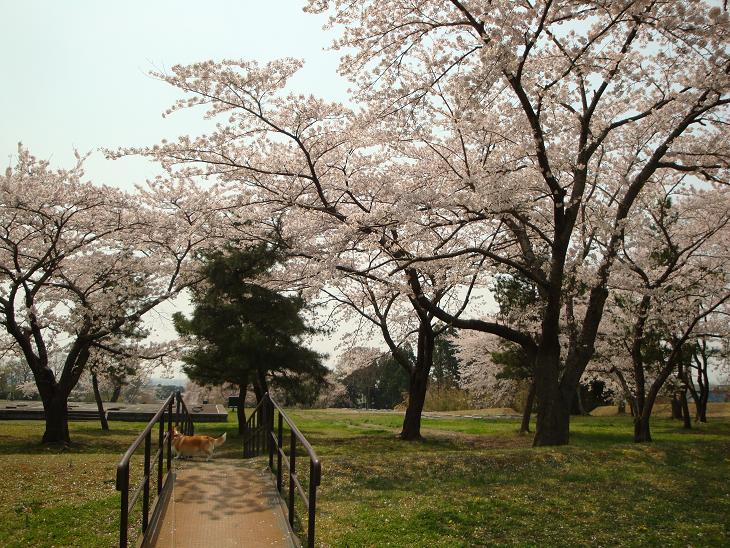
(221, 440)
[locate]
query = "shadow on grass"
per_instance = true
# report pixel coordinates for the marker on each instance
(25, 437)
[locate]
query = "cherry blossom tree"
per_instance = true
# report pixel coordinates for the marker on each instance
(480, 374)
(670, 284)
(511, 139)
(312, 174)
(79, 262)
(708, 350)
(533, 128)
(119, 358)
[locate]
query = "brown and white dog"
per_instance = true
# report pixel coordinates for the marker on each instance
(195, 446)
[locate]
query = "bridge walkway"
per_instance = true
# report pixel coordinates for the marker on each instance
(223, 503)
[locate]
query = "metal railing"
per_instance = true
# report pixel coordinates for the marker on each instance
(262, 436)
(184, 424)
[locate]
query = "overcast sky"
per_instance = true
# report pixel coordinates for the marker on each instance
(75, 73)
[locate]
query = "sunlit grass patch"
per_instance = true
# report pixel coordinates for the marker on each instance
(471, 482)
(477, 482)
(60, 496)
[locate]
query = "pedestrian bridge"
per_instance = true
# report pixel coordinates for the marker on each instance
(222, 502)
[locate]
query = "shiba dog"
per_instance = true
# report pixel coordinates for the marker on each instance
(192, 446)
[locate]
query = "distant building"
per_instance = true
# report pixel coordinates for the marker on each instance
(719, 393)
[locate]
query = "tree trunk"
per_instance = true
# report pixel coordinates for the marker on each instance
(676, 408)
(260, 386)
(579, 398)
(241, 409)
(116, 393)
(642, 433)
(257, 391)
(418, 383)
(553, 407)
(704, 395)
(622, 407)
(701, 393)
(99, 403)
(701, 408)
(527, 412)
(685, 410)
(56, 411)
(416, 398)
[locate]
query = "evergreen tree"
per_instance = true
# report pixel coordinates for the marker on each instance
(244, 333)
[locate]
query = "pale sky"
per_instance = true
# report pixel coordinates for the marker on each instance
(76, 71)
(75, 75)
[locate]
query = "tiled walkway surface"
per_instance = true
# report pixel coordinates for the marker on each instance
(221, 503)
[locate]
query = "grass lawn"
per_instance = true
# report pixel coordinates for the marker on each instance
(54, 497)
(477, 483)
(473, 482)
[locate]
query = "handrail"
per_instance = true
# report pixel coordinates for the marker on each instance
(261, 435)
(164, 442)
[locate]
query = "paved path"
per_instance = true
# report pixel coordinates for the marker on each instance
(224, 502)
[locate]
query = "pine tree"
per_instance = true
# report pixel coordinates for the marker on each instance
(243, 333)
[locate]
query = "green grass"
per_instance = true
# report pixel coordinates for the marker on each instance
(478, 483)
(472, 482)
(66, 496)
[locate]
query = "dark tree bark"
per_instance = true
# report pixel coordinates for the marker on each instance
(642, 432)
(411, 430)
(676, 407)
(685, 410)
(56, 413)
(116, 393)
(553, 404)
(700, 395)
(241, 409)
(260, 385)
(99, 403)
(700, 392)
(527, 412)
(418, 384)
(701, 406)
(54, 396)
(579, 399)
(56, 416)
(258, 391)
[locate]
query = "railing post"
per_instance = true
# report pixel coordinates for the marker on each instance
(280, 439)
(254, 432)
(122, 479)
(160, 447)
(262, 426)
(146, 491)
(265, 427)
(260, 429)
(259, 420)
(177, 411)
(123, 487)
(292, 473)
(270, 433)
(246, 437)
(169, 434)
(313, 480)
